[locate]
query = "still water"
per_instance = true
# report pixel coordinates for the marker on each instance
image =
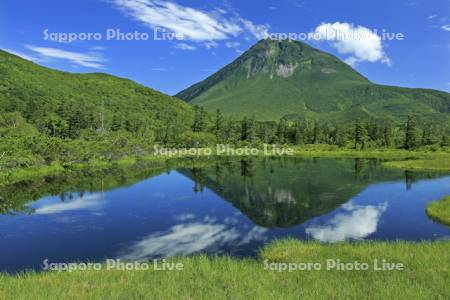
(217, 207)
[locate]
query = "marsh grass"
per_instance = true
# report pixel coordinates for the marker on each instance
(441, 164)
(440, 210)
(208, 277)
(381, 153)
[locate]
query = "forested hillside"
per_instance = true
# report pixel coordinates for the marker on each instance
(69, 105)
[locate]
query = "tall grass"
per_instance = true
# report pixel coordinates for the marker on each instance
(426, 276)
(440, 210)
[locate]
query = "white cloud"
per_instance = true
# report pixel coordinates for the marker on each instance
(159, 69)
(211, 45)
(356, 223)
(90, 60)
(446, 27)
(193, 24)
(184, 46)
(432, 17)
(357, 41)
(258, 31)
(232, 44)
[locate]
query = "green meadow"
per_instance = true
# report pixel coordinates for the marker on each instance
(424, 275)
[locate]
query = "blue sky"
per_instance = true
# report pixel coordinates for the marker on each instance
(216, 32)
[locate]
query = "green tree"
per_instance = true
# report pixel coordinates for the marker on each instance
(248, 129)
(387, 136)
(282, 131)
(445, 141)
(338, 136)
(218, 128)
(199, 119)
(231, 133)
(316, 132)
(116, 124)
(360, 135)
(411, 134)
(299, 133)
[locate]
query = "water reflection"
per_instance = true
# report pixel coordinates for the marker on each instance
(230, 206)
(92, 202)
(355, 222)
(193, 237)
(285, 193)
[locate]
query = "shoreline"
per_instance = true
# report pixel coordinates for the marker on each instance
(401, 159)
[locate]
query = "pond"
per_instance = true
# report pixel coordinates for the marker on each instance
(226, 206)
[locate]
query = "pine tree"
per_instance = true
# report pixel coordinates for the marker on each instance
(248, 129)
(387, 136)
(282, 131)
(315, 137)
(231, 132)
(411, 135)
(360, 135)
(298, 133)
(244, 129)
(218, 124)
(445, 142)
(199, 119)
(339, 137)
(252, 129)
(373, 131)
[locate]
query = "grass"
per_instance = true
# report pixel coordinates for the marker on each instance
(382, 153)
(425, 276)
(409, 160)
(421, 164)
(440, 210)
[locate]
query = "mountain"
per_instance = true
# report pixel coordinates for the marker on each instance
(50, 98)
(275, 79)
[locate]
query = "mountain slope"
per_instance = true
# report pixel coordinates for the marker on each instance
(45, 96)
(274, 79)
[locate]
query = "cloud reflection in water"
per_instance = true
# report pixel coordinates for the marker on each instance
(193, 237)
(357, 222)
(92, 201)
